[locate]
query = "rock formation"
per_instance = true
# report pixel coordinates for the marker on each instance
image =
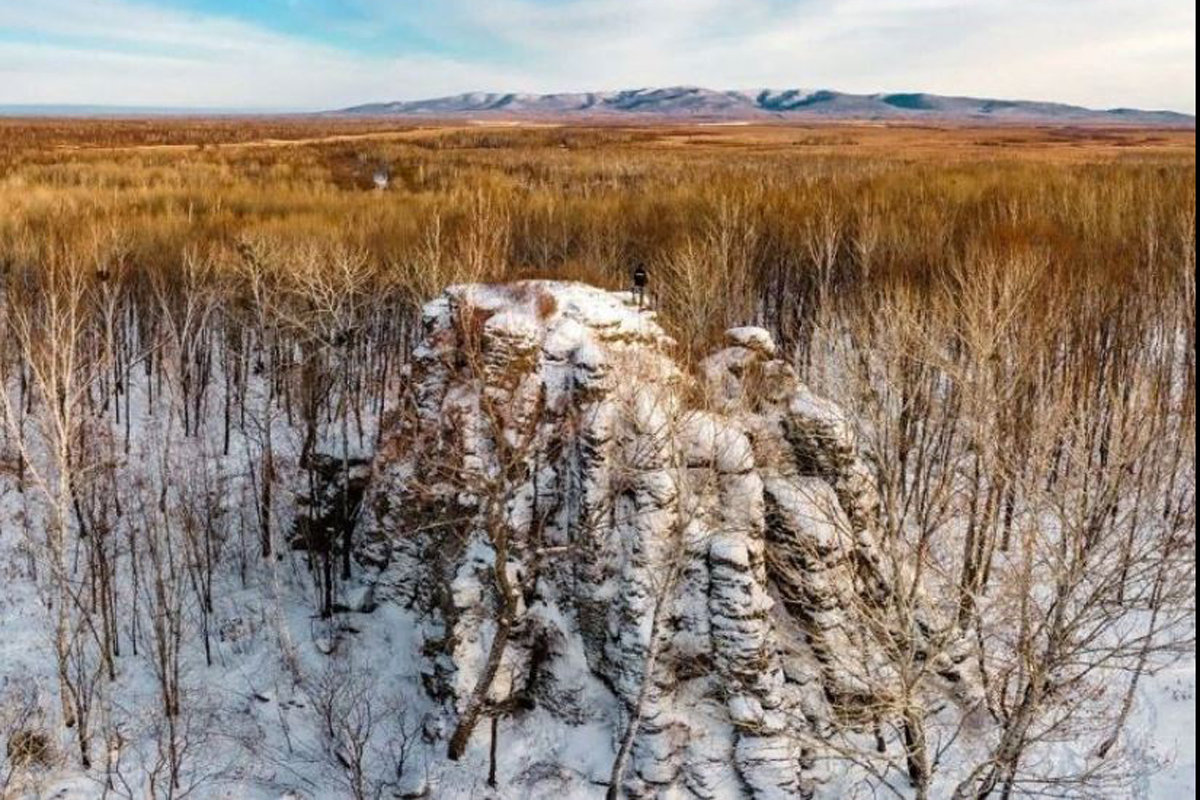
(577, 518)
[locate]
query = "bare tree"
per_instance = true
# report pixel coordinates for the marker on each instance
(26, 747)
(48, 318)
(368, 740)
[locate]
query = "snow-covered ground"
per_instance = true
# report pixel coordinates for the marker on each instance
(1163, 729)
(254, 719)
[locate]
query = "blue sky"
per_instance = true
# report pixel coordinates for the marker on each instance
(314, 54)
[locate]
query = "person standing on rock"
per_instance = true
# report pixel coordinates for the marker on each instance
(640, 276)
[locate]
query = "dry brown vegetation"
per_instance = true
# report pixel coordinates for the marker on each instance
(735, 221)
(1010, 312)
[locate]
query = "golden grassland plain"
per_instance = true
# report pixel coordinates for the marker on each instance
(734, 221)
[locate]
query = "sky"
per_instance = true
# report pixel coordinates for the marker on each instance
(323, 54)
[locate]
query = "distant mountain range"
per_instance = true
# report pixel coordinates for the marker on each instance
(695, 103)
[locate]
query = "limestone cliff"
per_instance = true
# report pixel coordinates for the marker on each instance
(594, 531)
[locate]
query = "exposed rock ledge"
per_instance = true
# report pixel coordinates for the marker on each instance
(551, 422)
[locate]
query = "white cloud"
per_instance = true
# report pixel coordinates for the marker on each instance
(138, 55)
(1095, 52)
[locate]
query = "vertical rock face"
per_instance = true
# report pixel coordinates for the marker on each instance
(695, 547)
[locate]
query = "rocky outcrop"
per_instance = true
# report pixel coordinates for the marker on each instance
(562, 504)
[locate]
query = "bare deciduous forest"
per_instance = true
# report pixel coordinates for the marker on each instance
(208, 329)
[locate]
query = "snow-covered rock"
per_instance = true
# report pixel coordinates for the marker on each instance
(693, 548)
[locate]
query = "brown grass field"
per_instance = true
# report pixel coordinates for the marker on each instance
(954, 141)
(764, 223)
(771, 205)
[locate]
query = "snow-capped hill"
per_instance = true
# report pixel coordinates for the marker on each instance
(764, 104)
(680, 563)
